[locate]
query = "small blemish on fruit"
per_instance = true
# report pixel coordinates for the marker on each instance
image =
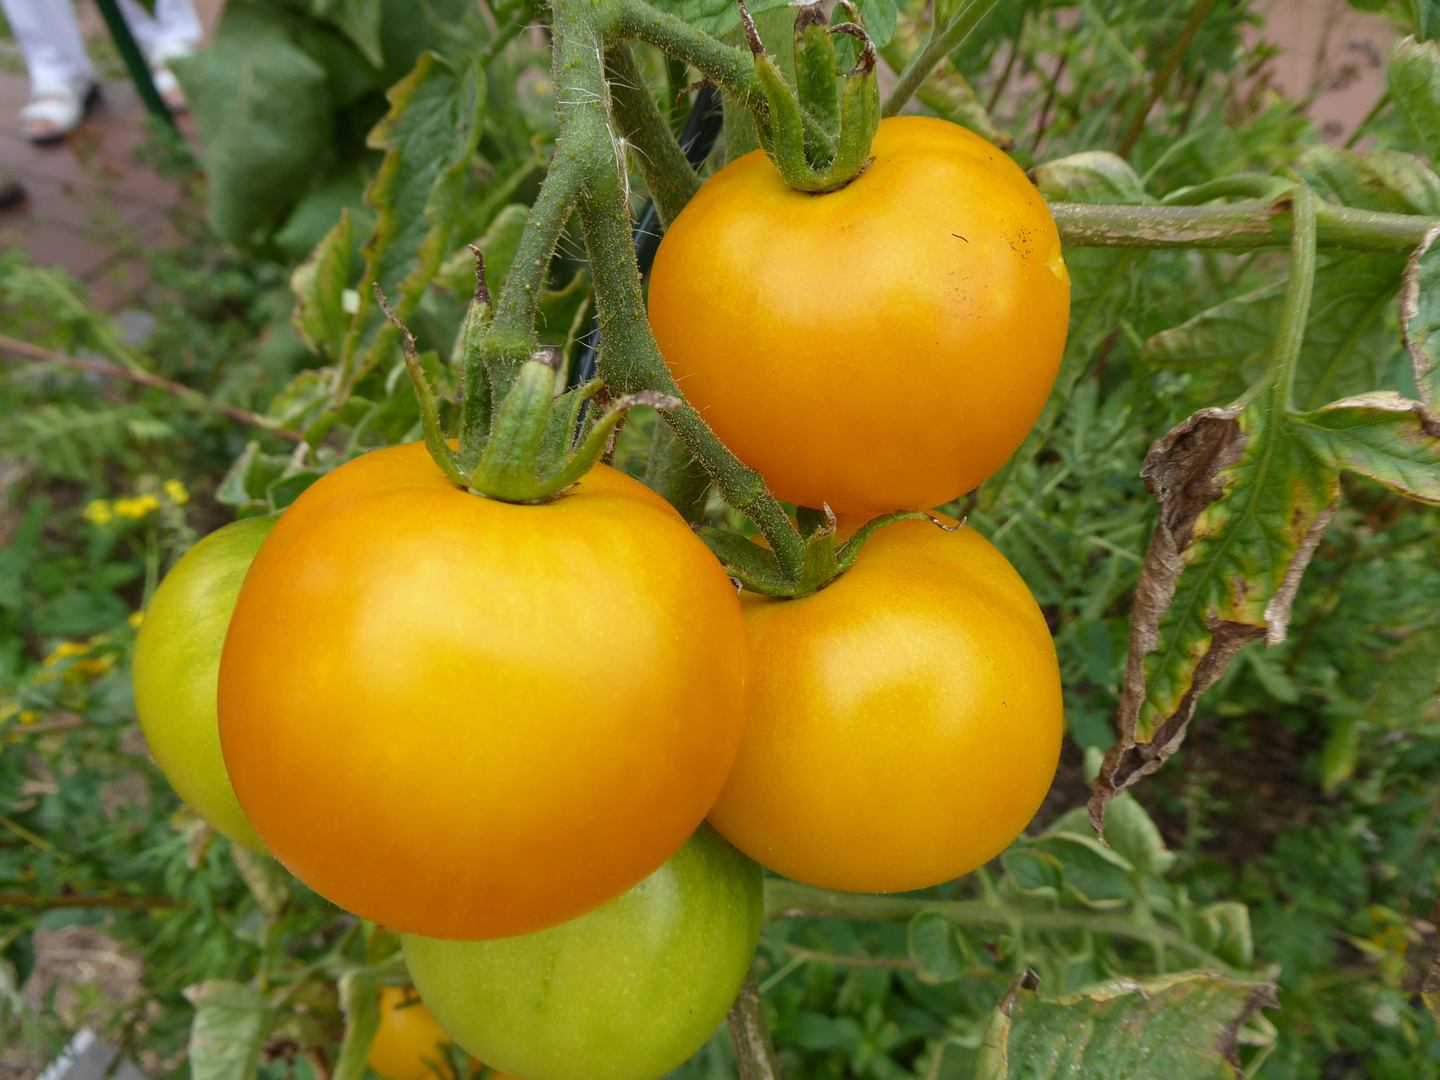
(1056, 262)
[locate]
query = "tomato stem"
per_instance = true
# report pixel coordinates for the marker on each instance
(1296, 313)
(1237, 226)
(942, 40)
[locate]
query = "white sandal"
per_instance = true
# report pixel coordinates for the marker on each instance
(169, 88)
(56, 109)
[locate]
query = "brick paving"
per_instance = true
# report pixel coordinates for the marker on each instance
(89, 205)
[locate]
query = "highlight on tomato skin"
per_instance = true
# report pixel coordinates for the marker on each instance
(903, 724)
(477, 701)
(882, 347)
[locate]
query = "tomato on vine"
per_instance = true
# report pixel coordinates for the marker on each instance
(885, 346)
(903, 724)
(408, 1044)
(177, 664)
(627, 992)
(468, 718)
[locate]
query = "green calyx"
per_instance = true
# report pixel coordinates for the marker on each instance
(538, 444)
(757, 569)
(818, 142)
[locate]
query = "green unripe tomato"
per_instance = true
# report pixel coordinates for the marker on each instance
(627, 992)
(177, 665)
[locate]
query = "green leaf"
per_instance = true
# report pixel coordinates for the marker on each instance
(1033, 871)
(1131, 832)
(1340, 754)
(319, 286)
(717, 17)
(498, 245)
(1245, 496)
(1386, 180)
(1094, 874)
(1347, 345)
(1179, 1027)
(359, 20)
(1384, 436)
(262, 107)
(1411, 684)
(228, 1032)
(1414, 75)
(1224, 930)
(935, 946)
(428, 136)
(1095, 176)
(1426, 15)
(878, 17)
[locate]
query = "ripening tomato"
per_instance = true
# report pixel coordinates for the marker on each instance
(881, 347)
(627, 992)
(469, 719)
(409, 1044)
(177, 661)
(903, 724)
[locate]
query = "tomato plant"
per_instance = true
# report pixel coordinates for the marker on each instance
(626, 992)
(177, 666)
(489, 681)
(479, 700)
(926, 662)
(881, 347)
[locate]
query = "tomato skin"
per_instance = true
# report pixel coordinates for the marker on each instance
(177, 663)
(471, 719)
(904, 723)
(627, 992)
(408, 1040)
(885, 346)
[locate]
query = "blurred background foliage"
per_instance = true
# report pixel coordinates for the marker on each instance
(1292, 835)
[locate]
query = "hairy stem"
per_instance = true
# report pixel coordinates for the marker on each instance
(674, 474)
(732, 69)
(668, 175)
(791, 900)
(1296, 314)
(630, 361)
(1238, 226)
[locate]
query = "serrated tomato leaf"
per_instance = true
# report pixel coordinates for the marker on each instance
(228, 1032)
(1181, 1027)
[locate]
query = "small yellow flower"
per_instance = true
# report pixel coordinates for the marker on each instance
(64, 651)
(136, 618)
(97, 512)
(99, 665)
(136, 508)
(29, 716)
(176, 493)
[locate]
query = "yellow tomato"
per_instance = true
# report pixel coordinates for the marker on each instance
(903, 723)
(469, 719)
(881, 347)
(409, 1044)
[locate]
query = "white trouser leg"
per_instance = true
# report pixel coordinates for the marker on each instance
(50, 41)
(174, 29)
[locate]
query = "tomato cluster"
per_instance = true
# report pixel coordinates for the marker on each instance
(499, 728)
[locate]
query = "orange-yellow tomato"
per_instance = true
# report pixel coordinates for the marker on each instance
(468, 719)
(903, 724)
(409, 1044)
(881, 347)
